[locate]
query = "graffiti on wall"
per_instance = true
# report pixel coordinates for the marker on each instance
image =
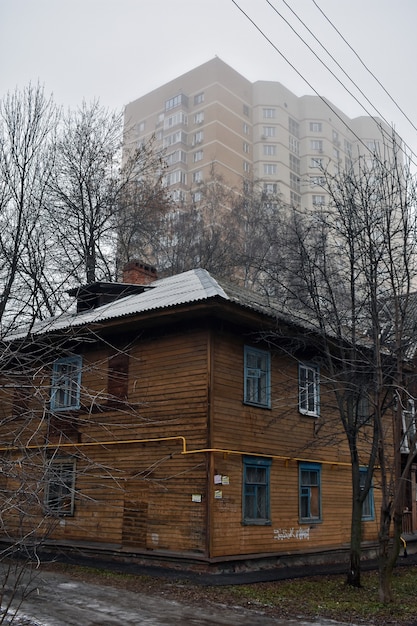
(283, 534)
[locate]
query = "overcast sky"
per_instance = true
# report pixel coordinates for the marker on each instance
(118, 50)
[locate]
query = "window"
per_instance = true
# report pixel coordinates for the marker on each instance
(294, 164)
(246, 110)
(293, 127)
(256, 485)
(335, 137)
(173, 120)
(294, 145)
(199, 98)
(308, 390)
(246, 147)
(246, 167)
(118, 376)
(141, 127)
(368, 504)
(59, 488)
(197, 196)
(270, 149)
(317, 181)
(270, 188)
(197, 176)
(319, 200)
(176, 101)
(257, 383)
(178, 137)
(348, 147)
(199, 117)
(269, 114)
(245, 128)
(316, 144)
(66, 384)
(270, 169)
(408, 430)
(198, 156)
(268, 131)
(315, 127)
(177, 176)
(295, 199)
(316, 162)
(198, 137)
(309, 492)
(295, 182)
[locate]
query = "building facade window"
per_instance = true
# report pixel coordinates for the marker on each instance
(246, 128)
(317, 145)
(295, 164)
(294, 145)
(141, 127)
(257, 377)
(198, 176)
(408, 429)
(179, 137)
(270, 188)
(316, 127)
(180, 99)
(295, 182)
(316, 162)
(317, 181)
(246, 110)
(270, 169)
(308, 390)
(174, 120)
(246, 147)
(310, 492)
(295, 199)
(198, 137)
(177, 176)
(256, 489)
(268, 131)
(270, 149)
(198, 156)
(66, 384)
(199, 117)
(269, 113)
(60, 487)
(198, 98)
(368, 508)
(293, 127)
(246, 167)
(319, 200)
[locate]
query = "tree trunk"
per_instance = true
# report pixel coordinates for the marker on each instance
(388, 554)
(354, 574)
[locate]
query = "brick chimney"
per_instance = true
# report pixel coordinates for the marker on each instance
(137, 273)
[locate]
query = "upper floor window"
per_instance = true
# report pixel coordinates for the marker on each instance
(246, 147)
(319, 200)
(199, 98)
(293, 127)
(176, 118)
(180, 99)
(245, 128)
(270, 188)
(294, 145)
(308, 389)
(257, 377)
(316, 162)
(198, 176)
(198, 137)
(256, 487)
(269, 114)
(66, 384)
(310, 492)
(316, 127)
(198, 156)
(316, 144)
(408, 430)
(59, 487)
(270, 169)
(268, 131)
(294, 164)
(295, 182)
(246, 109)
(199, 117)
(270, 149)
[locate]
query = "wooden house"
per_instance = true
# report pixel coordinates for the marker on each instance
(155, 422)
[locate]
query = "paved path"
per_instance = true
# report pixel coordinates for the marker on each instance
(59, 601)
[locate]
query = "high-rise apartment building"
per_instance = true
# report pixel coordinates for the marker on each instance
(212, 119)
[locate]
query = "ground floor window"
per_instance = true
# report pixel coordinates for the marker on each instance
(256, 487)
(59, 488)
(310, 492)
(368, 504)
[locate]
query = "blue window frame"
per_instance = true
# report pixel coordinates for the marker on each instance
(308, 390)
(310, 492)
(66, 384)
(257, 377)
(256, 488)
(368, 509)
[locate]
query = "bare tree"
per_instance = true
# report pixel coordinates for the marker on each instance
(347, 270)
(91, 187)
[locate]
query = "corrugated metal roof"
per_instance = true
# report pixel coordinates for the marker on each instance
(192, 286)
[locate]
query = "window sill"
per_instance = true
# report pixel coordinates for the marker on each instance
(260, 522)
(255, 404)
